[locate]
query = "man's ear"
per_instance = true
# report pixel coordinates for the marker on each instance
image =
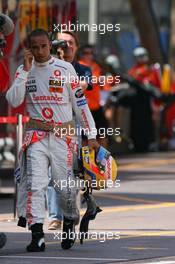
(50, 45)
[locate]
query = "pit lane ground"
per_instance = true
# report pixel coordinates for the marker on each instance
(139, 215)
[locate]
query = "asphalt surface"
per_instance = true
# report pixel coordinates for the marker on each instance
(138, 218)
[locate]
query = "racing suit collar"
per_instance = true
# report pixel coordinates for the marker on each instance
(42, 64)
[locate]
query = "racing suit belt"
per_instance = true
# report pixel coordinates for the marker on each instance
(49, 126)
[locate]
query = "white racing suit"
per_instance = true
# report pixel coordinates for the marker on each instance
(51, 94)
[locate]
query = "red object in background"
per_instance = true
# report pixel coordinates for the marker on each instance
(18, 110)
(12, 119)
(4, 63)
(4, 76)
(144, 72)
(170, 114)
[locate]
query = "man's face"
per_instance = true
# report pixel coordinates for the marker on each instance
(87, 55)
(70, 51)
(40, 47)
(143, 59)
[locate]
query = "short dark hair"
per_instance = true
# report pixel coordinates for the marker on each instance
(73, 34)
(36, 33)
(82, 49)
(87, 46)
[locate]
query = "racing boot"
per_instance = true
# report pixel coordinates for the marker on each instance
(22, 222)
(37, 244)
(68, 235)
(3, 240)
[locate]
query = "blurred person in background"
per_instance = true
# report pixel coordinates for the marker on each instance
(4, 74)
(86, 57)
(6, 28)
(67, 53)
(112, 69)
(142, 128)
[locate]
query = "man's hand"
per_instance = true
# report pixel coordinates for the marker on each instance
(84, 85)
(28, 57)
(60, 53)
(93, 144)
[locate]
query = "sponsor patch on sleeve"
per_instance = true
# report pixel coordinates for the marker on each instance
(81, 102)
(79, 93)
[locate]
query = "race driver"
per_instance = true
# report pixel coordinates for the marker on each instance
(52, 94)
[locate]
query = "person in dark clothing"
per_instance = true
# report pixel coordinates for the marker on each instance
(142, 128)
(83, 71)
(69, 54)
